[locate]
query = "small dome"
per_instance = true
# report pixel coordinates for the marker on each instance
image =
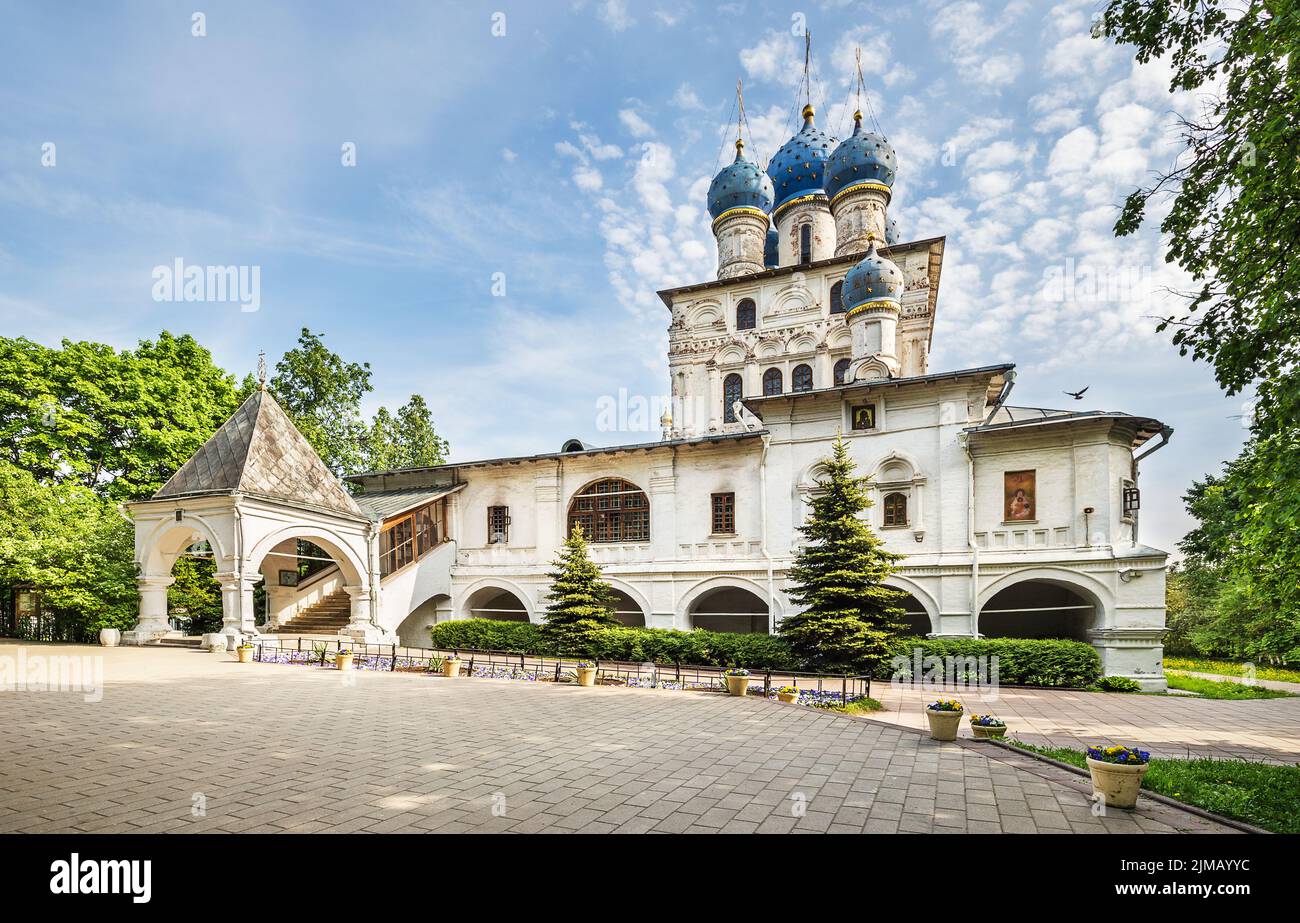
(772, 249)
(740, 184)
(891, 232)
(797, 168)
(874, 278)
(865, 157)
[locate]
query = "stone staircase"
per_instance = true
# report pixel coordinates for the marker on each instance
(327, 617)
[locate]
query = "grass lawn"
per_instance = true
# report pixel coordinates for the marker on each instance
(1262, 794)
(1231, 668)
(856, 707)
(1218, 689)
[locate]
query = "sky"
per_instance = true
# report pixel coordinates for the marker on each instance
(481, 200)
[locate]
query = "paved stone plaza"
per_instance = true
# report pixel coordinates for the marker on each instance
(264, 748)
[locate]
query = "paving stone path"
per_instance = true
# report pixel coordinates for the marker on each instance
(185, 741)
(1171, 726)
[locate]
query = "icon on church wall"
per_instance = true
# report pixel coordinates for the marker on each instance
(1019, 495)
(288, 578)
(863, 416)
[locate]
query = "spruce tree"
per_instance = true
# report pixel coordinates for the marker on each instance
(849, 616)
(580, 602)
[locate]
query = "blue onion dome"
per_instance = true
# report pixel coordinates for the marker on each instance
(873, 280)
(865, 157)
(772, 249)
(741, 184)
(891, 232)
(797, 168)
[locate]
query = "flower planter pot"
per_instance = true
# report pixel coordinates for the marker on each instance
(245, 654)
(737, 685)
(110, 637)
(343, 661)
(789, 697)
(451, 666)
(586, 676)
(980, 730)
(943, 724)
(1118, 783)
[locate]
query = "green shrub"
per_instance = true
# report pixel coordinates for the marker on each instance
(1118, 684)
(1021, 662)
(488, 635)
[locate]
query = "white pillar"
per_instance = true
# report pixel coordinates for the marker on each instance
(361, 625)
(153, 622)
(237, 618)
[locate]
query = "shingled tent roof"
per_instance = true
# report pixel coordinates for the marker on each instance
(259, 451)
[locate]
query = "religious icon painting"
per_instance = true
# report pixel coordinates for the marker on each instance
(1019, 496)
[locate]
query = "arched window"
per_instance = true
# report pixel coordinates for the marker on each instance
(841, 371)
(805, 243)
(896, 510)
(611, 510)
(772, 383)
(731, 389)
(837, 298)
(746, 315)
(801, 378)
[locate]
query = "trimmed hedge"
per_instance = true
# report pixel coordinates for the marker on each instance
(1021, 662)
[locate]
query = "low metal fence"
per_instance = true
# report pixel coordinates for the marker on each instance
(843, 687)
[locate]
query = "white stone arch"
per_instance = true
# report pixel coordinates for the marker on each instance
(351, 563)
(634, 594)
(1085, 585)
(776, 608)
(160, 548)
(704, 314)
(770, 348)
(495, 583)
(920, 594)
(895, 458)
(802, 344)
(840, 338)
(731, 354)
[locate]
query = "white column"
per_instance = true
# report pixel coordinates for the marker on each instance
(153, 622)
(715, 398)
(361, 626)
(237, 618)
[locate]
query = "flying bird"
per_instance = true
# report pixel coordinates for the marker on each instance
(1078, 395)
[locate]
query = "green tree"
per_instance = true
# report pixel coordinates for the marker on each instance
(322, 394)
(118, 423)
(580, 601)
(849, 617)
(408, 440)
(71, 544)
(1233, 224)
(195, 595)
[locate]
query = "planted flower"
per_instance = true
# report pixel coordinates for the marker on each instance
(1117, 774)
(944, 717)
(987, 726)
(788, 694)
(1121, 755)
(343, 659)
(737, 680)
(586, 673)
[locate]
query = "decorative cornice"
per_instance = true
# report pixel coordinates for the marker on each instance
(884, 305)
(863, 186)
(740, 210)
(797, 200)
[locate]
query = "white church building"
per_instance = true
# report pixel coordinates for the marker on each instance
(1015, 521)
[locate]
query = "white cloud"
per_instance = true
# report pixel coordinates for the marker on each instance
(635, 124)
(1074, 151)
(614, 14)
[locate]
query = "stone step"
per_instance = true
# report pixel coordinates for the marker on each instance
(180, 642)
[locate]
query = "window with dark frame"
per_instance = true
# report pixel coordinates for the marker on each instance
(896, 509)
(410, 536)
(837, 298)
(724, 514)
(805, 243)
(841, 371)
(611, 510)
(772, 382)
(801, 379)
(731, 392)
(498, 525)
(746, 314)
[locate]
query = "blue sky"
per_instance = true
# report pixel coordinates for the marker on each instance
(569, 157)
